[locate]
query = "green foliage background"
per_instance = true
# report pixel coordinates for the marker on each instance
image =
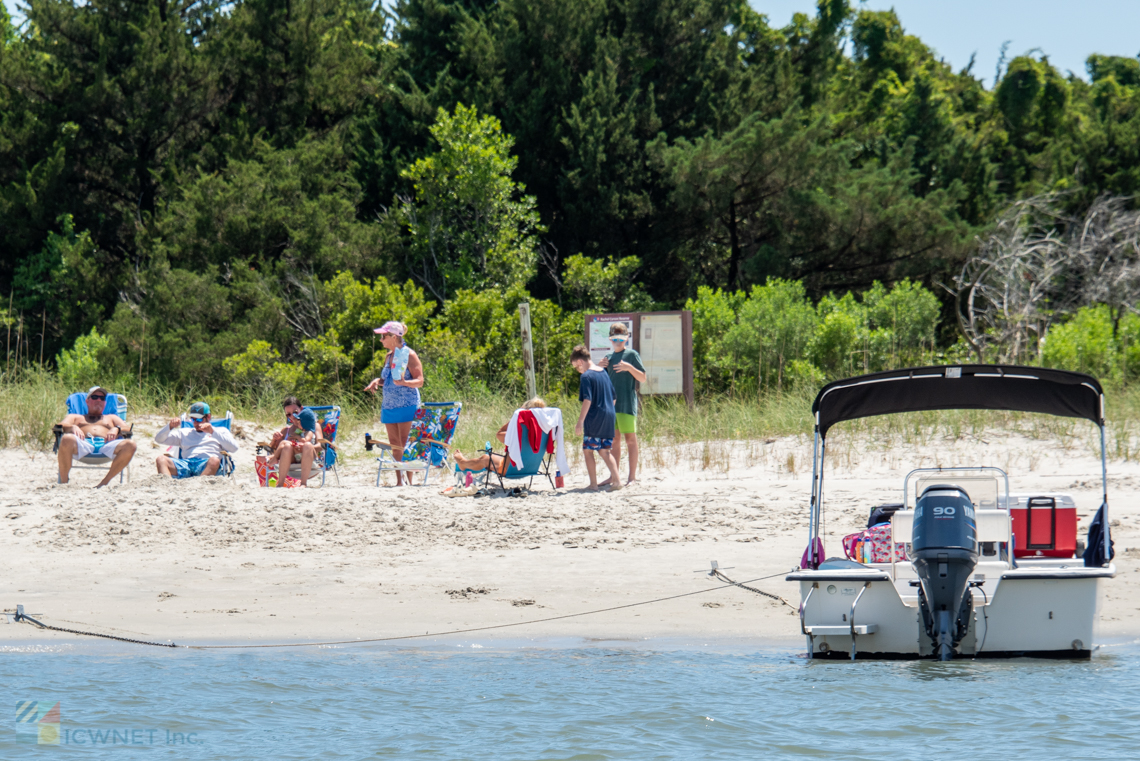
(213, 194)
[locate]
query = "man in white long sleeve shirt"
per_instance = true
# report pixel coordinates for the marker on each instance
(201, 445)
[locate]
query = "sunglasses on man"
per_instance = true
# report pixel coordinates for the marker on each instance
(197, 418)
(97, 398)
(617, 339)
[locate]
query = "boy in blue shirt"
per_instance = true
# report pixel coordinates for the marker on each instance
(598, 417)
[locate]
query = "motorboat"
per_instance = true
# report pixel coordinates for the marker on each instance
(961, 567)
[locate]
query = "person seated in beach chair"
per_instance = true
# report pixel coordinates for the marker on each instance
(296, 442)
(94, 434)
(491, 460)
(202, 445)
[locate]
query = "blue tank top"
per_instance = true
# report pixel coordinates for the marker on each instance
(398, 397)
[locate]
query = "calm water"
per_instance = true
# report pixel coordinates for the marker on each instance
(523, 701)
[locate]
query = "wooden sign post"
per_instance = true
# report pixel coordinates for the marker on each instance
(527, 350)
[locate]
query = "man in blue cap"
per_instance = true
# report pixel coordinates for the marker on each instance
(201, 445)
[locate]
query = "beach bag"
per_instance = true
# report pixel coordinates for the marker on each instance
(873, 546)
(261, 467)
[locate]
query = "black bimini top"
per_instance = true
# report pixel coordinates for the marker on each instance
(962, 387)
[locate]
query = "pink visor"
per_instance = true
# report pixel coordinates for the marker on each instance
(393, 327)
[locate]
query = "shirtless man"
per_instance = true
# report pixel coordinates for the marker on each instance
(81, 429)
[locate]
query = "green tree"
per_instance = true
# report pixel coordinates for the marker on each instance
(62, 282)
(469, 225)
(597, 286)
(775, 325)
(79, 367)
(117, 92)
(902, 321)
(714, 315)
(1085, 344)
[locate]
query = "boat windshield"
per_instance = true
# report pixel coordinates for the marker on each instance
(985, 486)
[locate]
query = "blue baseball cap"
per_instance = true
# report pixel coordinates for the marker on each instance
(199, 410)
(308, 419)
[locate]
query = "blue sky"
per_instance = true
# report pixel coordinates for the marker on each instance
(1066, 30)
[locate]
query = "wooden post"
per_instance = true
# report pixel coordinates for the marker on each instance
(527, 349)
(142, 348)
(1124, 360)
(8, 348)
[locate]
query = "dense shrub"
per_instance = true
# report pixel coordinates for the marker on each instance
(1086, 344)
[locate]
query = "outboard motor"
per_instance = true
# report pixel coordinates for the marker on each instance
(945, 552)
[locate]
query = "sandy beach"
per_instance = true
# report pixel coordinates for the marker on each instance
(215, 560)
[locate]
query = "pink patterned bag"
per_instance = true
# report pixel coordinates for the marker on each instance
(873, 546)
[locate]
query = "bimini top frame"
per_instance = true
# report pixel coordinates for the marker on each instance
(966, 387)
(963, 387)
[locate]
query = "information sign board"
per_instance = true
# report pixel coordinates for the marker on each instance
(598, 332)
(662, 352)
(663, 339)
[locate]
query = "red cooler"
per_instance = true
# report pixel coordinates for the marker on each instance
(1045, 527)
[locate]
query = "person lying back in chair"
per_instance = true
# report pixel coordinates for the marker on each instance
(201, 445)
(497, 461)
(94, 433)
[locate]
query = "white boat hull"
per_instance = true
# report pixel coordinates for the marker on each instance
(1049, 609)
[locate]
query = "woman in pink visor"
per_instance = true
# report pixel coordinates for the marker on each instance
(402, 377)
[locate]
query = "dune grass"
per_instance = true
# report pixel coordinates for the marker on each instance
(33, 402)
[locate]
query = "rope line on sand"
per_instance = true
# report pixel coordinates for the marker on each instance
(744, 585)
(21, 617)
(729, 583)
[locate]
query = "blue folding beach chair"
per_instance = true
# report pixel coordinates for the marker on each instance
(328, 423)
(227, 467)
(77, 405)
(535, 463)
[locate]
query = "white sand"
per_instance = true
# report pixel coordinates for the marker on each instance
(221, 560)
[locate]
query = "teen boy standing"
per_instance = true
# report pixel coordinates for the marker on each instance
(597, 420)
(626, 372)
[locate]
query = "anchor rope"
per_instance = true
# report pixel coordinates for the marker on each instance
(729, 582)
(21, 617)
(743, 585)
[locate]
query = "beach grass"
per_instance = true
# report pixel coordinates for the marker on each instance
(32, 403)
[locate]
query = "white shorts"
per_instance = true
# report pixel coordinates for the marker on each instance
(86, 448)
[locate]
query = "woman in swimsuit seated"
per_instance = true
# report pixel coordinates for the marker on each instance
(295, 443)
(496, 461)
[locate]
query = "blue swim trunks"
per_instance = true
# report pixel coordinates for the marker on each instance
(189, 468)
(595, 443)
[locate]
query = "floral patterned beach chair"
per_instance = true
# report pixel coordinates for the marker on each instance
(429, 441)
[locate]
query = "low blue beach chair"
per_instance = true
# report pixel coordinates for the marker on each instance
(77, 405)
(535, 463)
(328, 424)
(227, 467)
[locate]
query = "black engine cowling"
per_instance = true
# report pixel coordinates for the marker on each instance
(945, 551)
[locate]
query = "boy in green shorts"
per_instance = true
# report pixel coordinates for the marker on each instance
(626, 372)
